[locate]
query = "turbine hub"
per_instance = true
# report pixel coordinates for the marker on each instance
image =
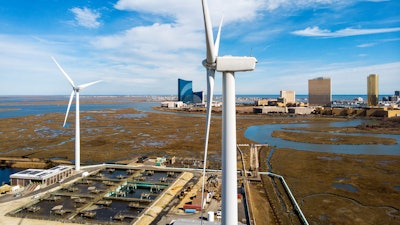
(209, 65)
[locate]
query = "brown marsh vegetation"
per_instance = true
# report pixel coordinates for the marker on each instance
(315, 178)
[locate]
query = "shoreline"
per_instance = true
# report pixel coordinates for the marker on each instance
(30, 163)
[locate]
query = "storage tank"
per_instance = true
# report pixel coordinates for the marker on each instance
(211, 216)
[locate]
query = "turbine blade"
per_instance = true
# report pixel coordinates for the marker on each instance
(65, 74)
(218, 38)
(80, 87)
(211, 58)
(69, 106)
(210, 93)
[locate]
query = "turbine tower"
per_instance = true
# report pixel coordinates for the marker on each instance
(75, 91)
(228, 65)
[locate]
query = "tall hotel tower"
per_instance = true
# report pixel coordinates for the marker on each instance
(185, 92)
(372, 89)
(319, 91)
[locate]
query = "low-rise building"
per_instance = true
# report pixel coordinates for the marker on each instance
(42, 177)
(172, 104)
(261, 102)
(301, 110)
(383, 112)
(270, 109)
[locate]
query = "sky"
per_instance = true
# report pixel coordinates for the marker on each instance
(142, 47)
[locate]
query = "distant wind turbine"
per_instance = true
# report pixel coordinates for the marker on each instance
(228, 65)
(75, 91)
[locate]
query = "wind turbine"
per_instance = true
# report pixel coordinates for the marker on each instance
(75, 91)
(228, 65)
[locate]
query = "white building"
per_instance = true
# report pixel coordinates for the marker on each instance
(42, 177)
(172, 104)
(289, 96)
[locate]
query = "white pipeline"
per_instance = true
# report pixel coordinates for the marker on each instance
(297, 207)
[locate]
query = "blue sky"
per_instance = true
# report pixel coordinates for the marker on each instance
(141, 47)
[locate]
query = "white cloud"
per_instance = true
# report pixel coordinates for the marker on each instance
(377, 0)
(366, 45)
(271, 5)
(189, 13)
(317, 32)
(140, 52)
(148, 38)
(377, 42)
(86, 17)
(149, 58)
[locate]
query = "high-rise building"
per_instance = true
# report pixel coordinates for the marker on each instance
(397, 93)
(185, 92)
(198, 97)
(289, 96)
(319, 91)
(372, 89)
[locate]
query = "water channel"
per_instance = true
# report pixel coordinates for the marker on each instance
(263, 134)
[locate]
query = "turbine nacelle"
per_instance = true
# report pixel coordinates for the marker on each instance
(235, 63)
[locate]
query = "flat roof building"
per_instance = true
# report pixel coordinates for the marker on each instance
(372, 90)
(319, 91)
(43, 177)
(289, 96)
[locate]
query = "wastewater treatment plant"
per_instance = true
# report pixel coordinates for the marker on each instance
(108, 195)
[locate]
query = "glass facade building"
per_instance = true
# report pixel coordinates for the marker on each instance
(185, 91)
(198, 97)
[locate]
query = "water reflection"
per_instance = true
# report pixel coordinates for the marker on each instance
(347, 187)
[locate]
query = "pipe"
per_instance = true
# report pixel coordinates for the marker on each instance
(287, 189)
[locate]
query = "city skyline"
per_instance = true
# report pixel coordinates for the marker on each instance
(140, 49)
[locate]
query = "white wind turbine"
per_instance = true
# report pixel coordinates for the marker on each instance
(75, 91)
(228, 65)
